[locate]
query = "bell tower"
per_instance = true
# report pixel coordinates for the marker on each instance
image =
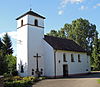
(30, 34)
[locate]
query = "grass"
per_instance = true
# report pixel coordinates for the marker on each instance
(98, 81)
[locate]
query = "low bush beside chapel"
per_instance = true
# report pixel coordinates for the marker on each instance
(17, 81)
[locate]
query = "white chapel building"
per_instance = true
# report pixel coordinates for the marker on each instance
(42, 55)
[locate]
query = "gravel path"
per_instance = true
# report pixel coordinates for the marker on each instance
(80, 81)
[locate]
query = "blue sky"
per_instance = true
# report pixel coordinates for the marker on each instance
(57, 13)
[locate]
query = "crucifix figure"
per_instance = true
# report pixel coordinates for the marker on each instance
(37, 64)
(20, 42)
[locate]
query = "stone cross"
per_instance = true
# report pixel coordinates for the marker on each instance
(37, 64)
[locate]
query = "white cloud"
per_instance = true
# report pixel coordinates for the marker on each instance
(97, 5)
(83, 7)
(60, 12)
(12, 34)
(65, 2)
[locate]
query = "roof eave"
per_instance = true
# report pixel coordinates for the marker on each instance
(70, 50)
(30, 14)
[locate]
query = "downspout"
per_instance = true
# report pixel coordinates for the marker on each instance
(55, 62)
(28, 48)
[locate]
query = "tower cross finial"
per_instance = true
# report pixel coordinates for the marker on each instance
(30, 9)
(30, 5)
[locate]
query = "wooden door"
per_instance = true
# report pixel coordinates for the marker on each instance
(65, 70)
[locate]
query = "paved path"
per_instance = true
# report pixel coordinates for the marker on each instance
(79, 81)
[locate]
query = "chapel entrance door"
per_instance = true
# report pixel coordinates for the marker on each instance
(65, 70)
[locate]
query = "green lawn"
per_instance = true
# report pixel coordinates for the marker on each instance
(98, 81)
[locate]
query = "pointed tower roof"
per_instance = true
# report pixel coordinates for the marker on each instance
(30, 13)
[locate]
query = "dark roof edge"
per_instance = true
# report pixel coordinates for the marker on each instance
(30, 13)
(59, 37)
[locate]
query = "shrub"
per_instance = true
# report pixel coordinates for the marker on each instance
(15, 73)
(42, 78)
(6, 75)
(18, 81)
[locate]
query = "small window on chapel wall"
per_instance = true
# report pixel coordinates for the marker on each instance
(64, 57)
(32, 71)
(79, 59)
(72, 58)
(41, 71)
(21, 23)
(22, 69)
(36, 22)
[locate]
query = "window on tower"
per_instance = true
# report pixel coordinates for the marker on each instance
(21, 23)
(36, 22)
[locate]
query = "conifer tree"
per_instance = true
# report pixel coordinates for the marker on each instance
(7, 45)
(1, 58)
(0, 44)
(7, 60)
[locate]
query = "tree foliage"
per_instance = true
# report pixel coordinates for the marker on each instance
(99, 47)
(95, 53)
(11, 63)
(82, 32)
(0, 44)
(7, 60)
(3, 64)
(53, 33)
(7, 45)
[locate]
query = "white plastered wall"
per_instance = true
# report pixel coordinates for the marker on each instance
(22, 46)
(73, 67)
(29, 43)
(35, 45)
(48, 60)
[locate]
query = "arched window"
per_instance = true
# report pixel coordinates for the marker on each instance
(72, 58)
(64, 57)
(79, 59)
(36, 22)
(21, 23)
